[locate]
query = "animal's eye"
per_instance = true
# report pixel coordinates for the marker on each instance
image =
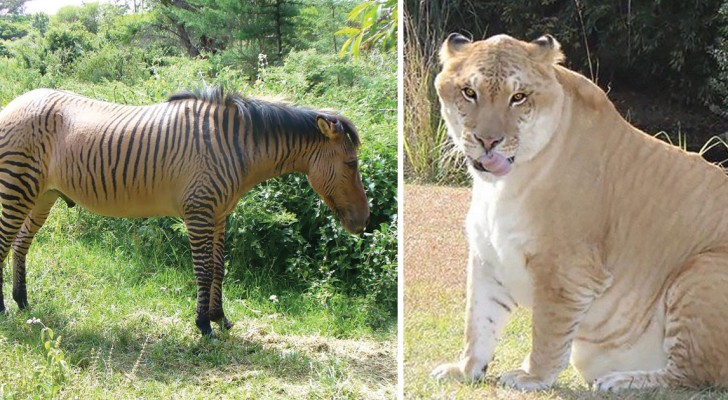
(469, 93)
(352, 164)
(518, 99)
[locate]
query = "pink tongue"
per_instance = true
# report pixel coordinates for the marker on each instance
(495, 163)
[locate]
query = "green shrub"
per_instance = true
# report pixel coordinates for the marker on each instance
(309, 72)
(14, 27)
(31, 51)
(111, 63)
(15, 79)
(69, 42)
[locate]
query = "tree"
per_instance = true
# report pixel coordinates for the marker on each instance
(375, 26)
(211, 26)
(13, 24)
(87, 15)
(40, 23)
(317, 23)
(12, 7)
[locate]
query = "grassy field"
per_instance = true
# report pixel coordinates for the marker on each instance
(434, 302)
(122, 321)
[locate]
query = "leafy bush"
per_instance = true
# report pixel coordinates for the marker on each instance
(375, 25)
(15, 79)
(85, 17)
(13, 27)
(113, 64)
(69, 42)
(31, 51)
(309, 72)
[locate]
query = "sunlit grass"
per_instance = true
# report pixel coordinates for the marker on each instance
(126, 328)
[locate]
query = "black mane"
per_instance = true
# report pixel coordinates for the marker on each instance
(273, 116)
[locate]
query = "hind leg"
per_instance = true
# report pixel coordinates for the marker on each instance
(12, 217)
(695, 331)
(218, 252)
(33, 222)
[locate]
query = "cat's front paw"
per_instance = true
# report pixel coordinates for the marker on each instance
(522, 380)
(459, 371)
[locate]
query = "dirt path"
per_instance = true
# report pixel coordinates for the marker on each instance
(435, 249)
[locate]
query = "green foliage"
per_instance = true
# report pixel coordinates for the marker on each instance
(31, 51)
(12, 7)
(40, 23)
(86, 15)
(13, 27)
(69, 42)
(308, 72)
(313, 27)
(262, 26)
(15, 79)
(113, 64)
(51, 376)
(375, 26)
(123, 29)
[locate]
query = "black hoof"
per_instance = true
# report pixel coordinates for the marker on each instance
(203, 324)
(225, 324)
(21, 298)
(219, 317)
(22, 305)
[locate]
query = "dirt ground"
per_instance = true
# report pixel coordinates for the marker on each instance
(434, 220)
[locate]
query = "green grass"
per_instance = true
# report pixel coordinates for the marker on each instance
(124, 321)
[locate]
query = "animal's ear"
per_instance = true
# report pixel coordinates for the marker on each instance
(454, 44)
(546, 50)
(329, 126)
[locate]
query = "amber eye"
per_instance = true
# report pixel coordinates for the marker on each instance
(469, 93)
(518, 99)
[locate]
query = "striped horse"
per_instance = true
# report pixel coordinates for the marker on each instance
(192, 157)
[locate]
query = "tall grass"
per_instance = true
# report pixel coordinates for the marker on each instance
(429, 156)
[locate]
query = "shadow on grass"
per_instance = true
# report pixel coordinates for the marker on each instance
(181, 356)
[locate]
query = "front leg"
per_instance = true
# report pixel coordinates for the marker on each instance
(565, 286)
(200, 230)
(488, 307)
(218, 252)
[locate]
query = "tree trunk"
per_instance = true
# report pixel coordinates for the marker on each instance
(333, 18)
(279, 36)
(184, 38)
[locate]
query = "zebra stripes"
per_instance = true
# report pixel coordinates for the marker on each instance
(193, 156)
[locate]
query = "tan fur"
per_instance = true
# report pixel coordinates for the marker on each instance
(616, 240)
